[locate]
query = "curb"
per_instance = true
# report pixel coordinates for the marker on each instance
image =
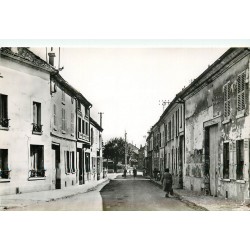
(183, 199)
(5, 208)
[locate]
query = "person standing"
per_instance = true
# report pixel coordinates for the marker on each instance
(134, 172)
(125, 172)
(167, 182)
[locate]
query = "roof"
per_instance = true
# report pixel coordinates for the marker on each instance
(26, 56)
(76, 93)
(92, 121)
(210, 72)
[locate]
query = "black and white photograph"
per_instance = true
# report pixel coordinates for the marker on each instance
(109, 129)
(124, 124)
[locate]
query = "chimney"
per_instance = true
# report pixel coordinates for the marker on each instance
(51, 57)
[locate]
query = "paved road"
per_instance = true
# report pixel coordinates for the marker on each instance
(138, 194)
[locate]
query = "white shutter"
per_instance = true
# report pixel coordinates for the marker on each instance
(246, 159)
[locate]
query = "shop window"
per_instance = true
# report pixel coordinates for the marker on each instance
(240, 159)
(37, 161)
(226, 160)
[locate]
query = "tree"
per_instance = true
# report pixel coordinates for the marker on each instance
(114, 149)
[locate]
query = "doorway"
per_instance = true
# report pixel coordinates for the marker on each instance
(211, 155)
(80, 161)
(56, 165)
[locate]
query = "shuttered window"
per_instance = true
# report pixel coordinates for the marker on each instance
(241, 79)
(227, 101)
(72, 123)
(54, 112)
(63, 120)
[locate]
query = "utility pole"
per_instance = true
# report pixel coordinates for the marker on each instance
(125, 149)
(101, 113)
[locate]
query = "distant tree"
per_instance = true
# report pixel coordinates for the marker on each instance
(114, 149)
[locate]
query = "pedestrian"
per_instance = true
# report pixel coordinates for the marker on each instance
(125, 172)
(167, 182)
(94, 172)
(134, 172)
(155, 173)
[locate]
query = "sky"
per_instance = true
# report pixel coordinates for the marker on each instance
(129, 84)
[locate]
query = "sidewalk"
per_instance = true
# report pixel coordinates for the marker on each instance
(206, 203)
(27, 199)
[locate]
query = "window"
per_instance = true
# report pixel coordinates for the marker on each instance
(92, 136)
(86, 111)
(72, 123)
(54, 114)
(239, 159)
(79, 106)
(166, 134)
(241, 93)
(69, 161)
(4, 169)
(172, 136)
(63, 97)
(227, 101)
(63, 120)
(181, 118)
(37, 127)
(177, 123)
(87, 128)
(37, 161)
(79, 125)
(169, 130)
(226, 160)
(4, 121)
(83, 127)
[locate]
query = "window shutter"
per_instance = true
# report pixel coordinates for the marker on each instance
(231, 161)
(241, 92)
(246, 160)
(34, 113)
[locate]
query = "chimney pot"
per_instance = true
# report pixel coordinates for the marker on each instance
(52, 55)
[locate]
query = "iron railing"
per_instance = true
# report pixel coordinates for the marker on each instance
(37, 173)
(37, 128)
(4, 122)
(4, 174)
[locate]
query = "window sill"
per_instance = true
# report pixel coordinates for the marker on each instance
(36, 178)
(240, 181)
(4, 128)
(240, 115)
(226, 121)
(225, 180)
(37, 133)
(4, 180)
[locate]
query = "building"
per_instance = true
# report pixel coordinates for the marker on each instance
(96, 149)
(25, 144)
(217, 127)
(207, 130)
(141, 157)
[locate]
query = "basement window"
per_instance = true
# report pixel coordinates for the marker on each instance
(226, 160)
(240, 159)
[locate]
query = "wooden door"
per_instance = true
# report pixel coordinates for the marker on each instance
(213, 159)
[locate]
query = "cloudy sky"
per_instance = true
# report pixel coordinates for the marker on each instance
(128, 83)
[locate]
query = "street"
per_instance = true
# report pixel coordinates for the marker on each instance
(138, 194)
